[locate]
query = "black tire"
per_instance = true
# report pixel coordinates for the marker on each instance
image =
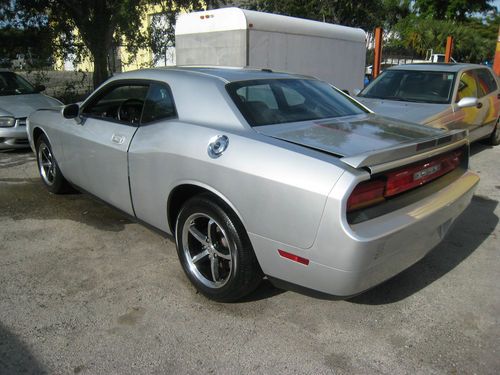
(215, 251)
(494, 139)
(48, 169)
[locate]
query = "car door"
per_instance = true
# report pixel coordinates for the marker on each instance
(489, 98)
(469, 118)
(96, 156)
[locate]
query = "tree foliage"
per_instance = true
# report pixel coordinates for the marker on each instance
(364, 14)
(94, 28)
(454, 10)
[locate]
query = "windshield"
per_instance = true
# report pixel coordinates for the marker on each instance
(12, 84)
(412, 86)
(276, 101)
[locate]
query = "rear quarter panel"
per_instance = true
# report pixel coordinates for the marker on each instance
(277, 189)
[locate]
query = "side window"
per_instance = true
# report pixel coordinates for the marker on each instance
(292, 97)
(159, 104)
(486, 82)
(122, 103)
(467, 86)
(258, 95)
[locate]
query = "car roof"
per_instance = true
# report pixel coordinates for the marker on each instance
(437, 67)
(226, 74)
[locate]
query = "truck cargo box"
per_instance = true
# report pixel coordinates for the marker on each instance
(245, 38)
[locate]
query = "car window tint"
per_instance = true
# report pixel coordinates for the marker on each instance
(412, 86)
(159, 104)
(292, 97)
(467, 86)
(258, 94)
(13, 84)
(486, 82)
(289, 100)
(122, 103)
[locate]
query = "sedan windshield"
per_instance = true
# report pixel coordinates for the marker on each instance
(412, 86)
(12, 84)
(276, 101)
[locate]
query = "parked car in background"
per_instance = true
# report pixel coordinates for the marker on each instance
(18, 98)
(260, 173)
(445, 96)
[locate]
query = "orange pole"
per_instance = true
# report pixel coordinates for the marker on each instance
(377, 52)
(496, 61)
(449, 48)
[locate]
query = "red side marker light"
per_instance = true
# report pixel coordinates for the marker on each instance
(293, 257)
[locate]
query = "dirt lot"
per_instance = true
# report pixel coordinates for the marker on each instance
(85, 290)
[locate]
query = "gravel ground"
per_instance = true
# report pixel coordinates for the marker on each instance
(85, 290)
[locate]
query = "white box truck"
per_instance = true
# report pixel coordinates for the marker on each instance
(244, 38)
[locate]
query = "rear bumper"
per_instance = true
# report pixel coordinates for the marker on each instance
(346, 260)
(14, 137)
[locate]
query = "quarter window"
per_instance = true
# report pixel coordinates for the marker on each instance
(122, 103)
(486, 82)
(467, 86)
(159, 104)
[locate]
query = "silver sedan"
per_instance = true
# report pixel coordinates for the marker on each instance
(259, 174)
(443, 96)
(18, 98)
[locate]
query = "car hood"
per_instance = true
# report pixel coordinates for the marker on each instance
(421, 113)
(350, 135)
(22, 105)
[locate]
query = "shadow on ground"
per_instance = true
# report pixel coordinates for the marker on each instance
(14, 158)
(27, 198)
(473, 227)
(15, 358)
(477, 147)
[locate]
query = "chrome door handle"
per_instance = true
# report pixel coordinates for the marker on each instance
(118, 139)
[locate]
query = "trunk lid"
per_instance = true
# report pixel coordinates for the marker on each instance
(368, 140)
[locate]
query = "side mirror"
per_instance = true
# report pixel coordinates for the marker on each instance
(71, 111)
(467, 102)
(40, 88)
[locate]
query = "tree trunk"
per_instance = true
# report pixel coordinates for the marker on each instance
(101, 73)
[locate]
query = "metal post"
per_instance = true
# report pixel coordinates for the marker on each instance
(377, 60)
(449, 48)
(496, 61)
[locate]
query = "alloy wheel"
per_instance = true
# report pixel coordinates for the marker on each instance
(46, 164)
(207, 250)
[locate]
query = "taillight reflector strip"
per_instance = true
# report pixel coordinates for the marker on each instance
(293, 257)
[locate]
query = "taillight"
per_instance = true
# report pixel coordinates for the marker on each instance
(366, 194)
(416, 175)
(371, 192)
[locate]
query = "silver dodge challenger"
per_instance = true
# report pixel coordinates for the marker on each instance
(260, 174)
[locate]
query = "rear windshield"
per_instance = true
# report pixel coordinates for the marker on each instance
(277, 101)
(412, 86)
(12, 84)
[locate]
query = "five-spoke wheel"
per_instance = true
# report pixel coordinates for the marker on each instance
(215, 251)
(47, 167)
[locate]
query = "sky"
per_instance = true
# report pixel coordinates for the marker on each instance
(497, 4)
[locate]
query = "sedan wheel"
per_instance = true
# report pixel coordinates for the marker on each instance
(47, 167)
(215, 251)
(495, 136)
